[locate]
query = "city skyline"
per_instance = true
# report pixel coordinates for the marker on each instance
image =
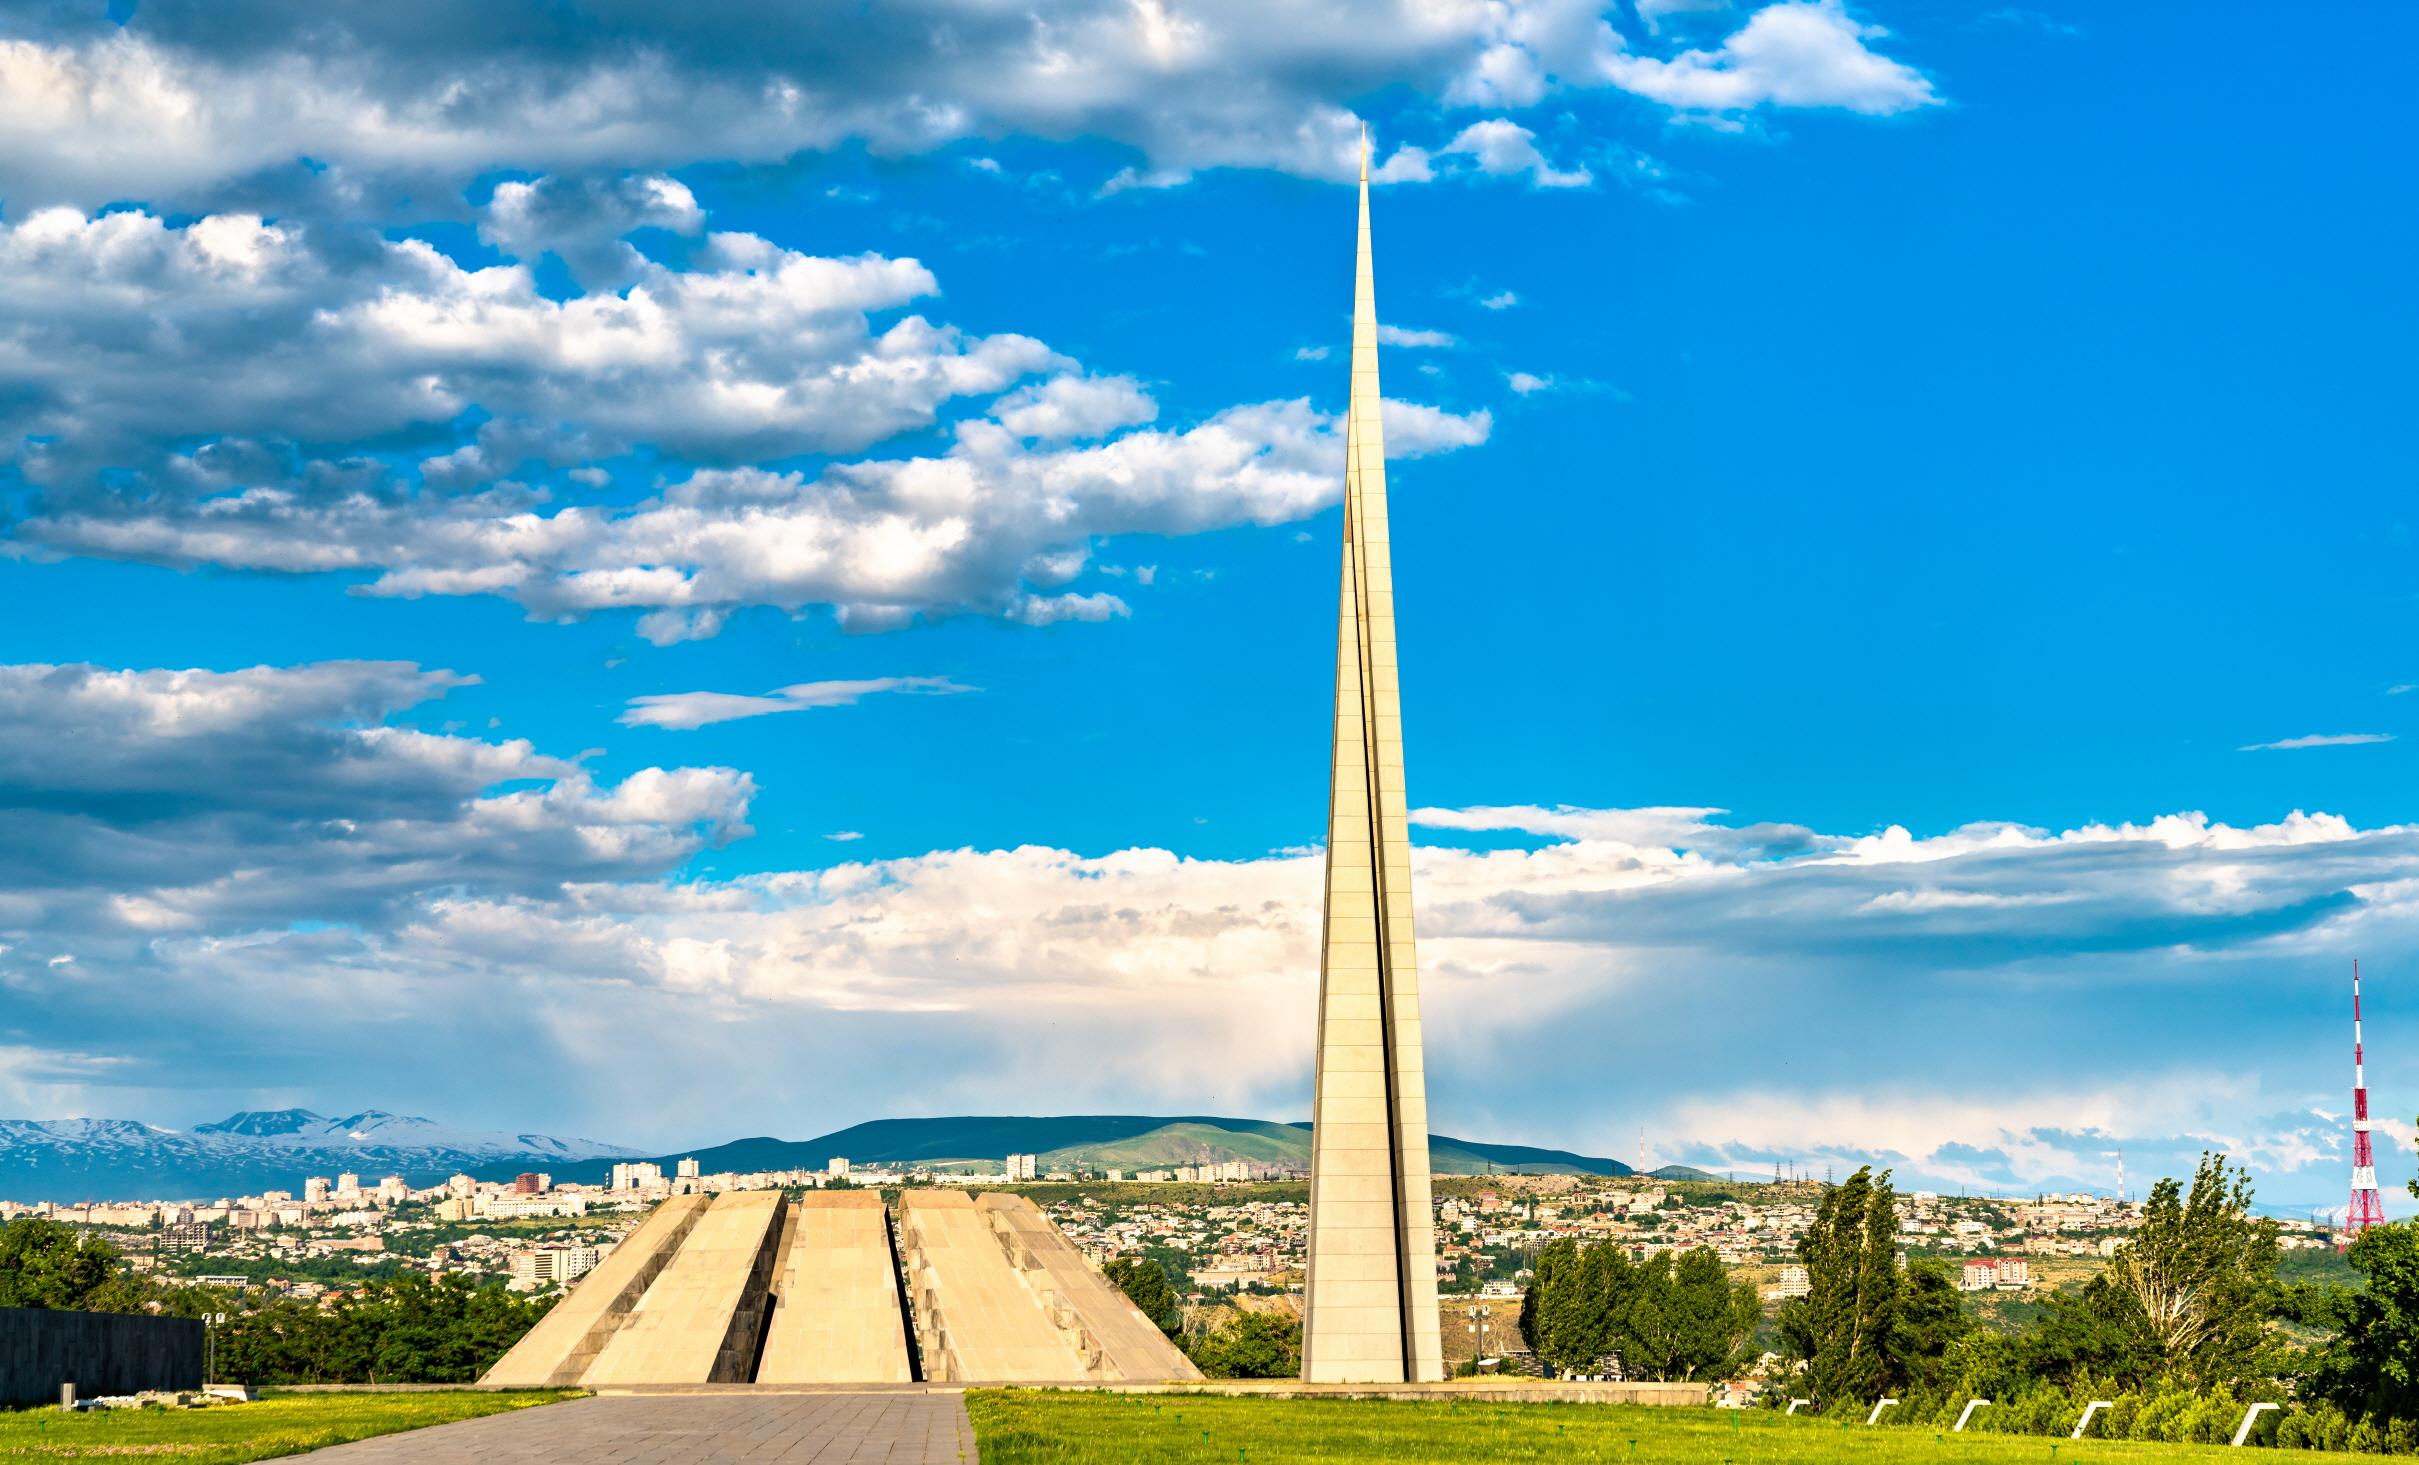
(601, 627)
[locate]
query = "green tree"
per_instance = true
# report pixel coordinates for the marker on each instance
(1606, 1279)
(2372, 1366)
(1842, 1328)
(46, 1264)
(2093, 1333)
(1930, 1324)
(1544, 1273)
(1254, 1345)
(1145, 1284)
(1566, 1314)
(406, 1329)
(2200, 1275)
(1681, 1317)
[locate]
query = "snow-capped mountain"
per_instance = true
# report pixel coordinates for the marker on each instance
(259, 1149)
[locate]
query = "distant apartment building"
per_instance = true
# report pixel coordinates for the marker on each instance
(637, 1176)
(686, 1169)
(393, 1188)
(509, 1205)
(836, 1168)
(348, 1184)
(1021, 1167)
(461, 1185)
(315, 1189)
(565, 1264)
(528, 1182)
(1978, 1275)
(1793, 1283)
(186, 1236)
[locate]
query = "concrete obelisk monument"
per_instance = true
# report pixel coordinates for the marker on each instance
(1369, 1312)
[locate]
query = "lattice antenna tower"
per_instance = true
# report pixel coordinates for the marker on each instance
(2366, 1209)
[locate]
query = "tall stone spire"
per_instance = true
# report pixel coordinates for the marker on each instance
(1370, 1297)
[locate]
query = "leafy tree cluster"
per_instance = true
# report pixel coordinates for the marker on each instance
(1668, 1317)
(46, 1264)
(1145, 1284)
(405, 1329)
(401, 1329)
(1868, 1327)
(2372, 1365)
(2192, 1300)
(1252, 1345)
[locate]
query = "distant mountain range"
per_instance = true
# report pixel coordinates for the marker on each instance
(259, 1149)
(69, 1160)
(1128, 1142)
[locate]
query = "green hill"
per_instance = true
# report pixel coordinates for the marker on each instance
(1190, 1142)
(1681, 1172)
(1109, 1141)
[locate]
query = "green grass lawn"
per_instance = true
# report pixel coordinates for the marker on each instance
(277, 1425)
(1025, 1427)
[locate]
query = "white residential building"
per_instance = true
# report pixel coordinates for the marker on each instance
(555, 1264)
(637, 1175)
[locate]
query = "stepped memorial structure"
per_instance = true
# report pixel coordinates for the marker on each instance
(754, 1287)
(1370, 1296)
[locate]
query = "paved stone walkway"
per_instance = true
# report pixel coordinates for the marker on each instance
(904, 1428)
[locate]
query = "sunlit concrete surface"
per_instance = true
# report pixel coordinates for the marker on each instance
(836, 1310)
(1370, 1288)
(1110, 1333)
(701, 1321)
(975, 1319)
(567, 1339)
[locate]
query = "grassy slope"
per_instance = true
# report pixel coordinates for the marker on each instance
(1017, 1427)
(1191, 1142)
(1119, 1141)
(226, 1436)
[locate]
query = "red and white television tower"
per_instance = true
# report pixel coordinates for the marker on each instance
(2365, 1210)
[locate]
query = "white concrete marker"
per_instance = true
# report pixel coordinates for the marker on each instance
(2243, 1435)
(1792, 1409)
(1970, 1406)
(1875, 1416)
(2094, 1407)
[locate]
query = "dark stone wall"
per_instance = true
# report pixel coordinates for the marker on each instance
(98, 1352)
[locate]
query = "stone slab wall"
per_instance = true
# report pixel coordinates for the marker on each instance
(99, 1352)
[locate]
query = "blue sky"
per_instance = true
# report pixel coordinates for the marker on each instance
(1812, 422)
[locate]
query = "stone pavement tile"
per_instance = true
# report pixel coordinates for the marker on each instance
(913, 1428)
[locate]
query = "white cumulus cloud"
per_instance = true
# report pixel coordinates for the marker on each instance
(698, 709)
(1804, 53)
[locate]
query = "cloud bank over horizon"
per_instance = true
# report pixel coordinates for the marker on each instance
(264, 870)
